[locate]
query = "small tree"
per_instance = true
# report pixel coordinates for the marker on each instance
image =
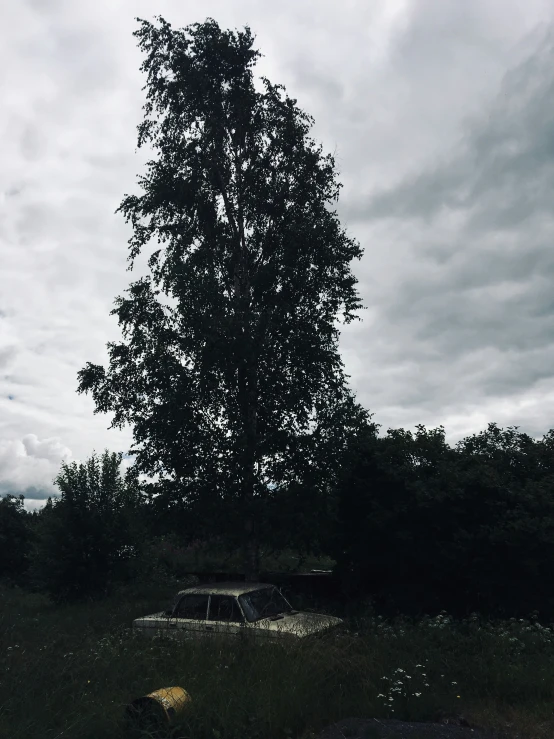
(15, 539)
(85, 539)
(239, 383)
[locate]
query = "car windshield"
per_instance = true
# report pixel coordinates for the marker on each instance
(263, 603)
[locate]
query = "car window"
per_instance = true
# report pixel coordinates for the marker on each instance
(171, 607)
(192, 606)
(264, 603)
(224, 608)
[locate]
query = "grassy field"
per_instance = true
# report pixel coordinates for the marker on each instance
(69, 671)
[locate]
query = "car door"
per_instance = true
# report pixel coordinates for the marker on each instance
(224, 616)
(189, 616)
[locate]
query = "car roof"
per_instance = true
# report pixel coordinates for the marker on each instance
(225, 588)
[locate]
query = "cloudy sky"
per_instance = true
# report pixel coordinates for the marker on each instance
(440, 114)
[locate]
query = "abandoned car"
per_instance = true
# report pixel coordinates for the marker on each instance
(234, 609)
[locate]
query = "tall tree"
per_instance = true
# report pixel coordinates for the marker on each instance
(239, 381)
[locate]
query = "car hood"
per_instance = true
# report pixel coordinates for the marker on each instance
(299, 623)
(153, 619)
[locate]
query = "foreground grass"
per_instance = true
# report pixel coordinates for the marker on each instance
(70, 671)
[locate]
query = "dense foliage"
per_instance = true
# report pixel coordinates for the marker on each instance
(425, 526)
(415, 524)
(89, 538)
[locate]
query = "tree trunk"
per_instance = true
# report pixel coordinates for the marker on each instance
(248, 398)
(251, 530)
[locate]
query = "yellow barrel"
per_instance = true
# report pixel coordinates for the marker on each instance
(158, 709)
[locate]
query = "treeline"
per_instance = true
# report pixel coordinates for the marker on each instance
(424, 526)
(414, 523)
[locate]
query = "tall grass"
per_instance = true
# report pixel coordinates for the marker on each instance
(69, 671)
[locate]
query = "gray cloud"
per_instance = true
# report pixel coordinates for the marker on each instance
(471, 304)
(7, 355)
(51, 449)
(32, 494)
(29, 466)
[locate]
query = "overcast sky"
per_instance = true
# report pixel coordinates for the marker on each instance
(440, 114)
